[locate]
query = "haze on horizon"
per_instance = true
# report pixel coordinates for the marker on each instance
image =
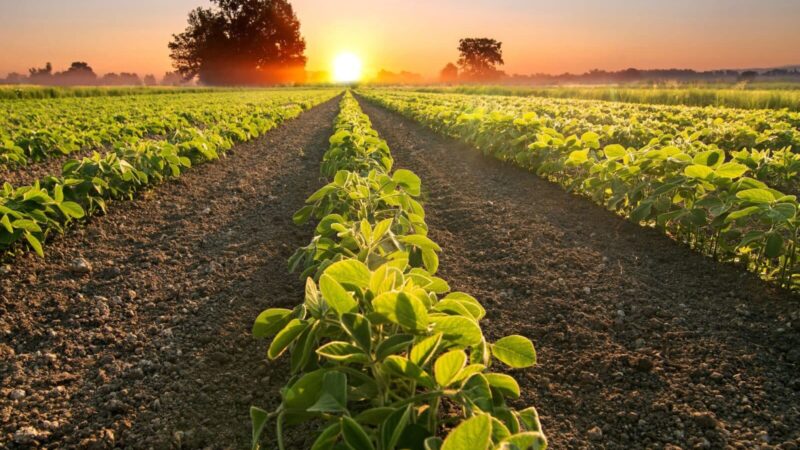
(418, 36)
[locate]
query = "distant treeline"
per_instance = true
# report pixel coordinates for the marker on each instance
(628, 76)
(81, 74)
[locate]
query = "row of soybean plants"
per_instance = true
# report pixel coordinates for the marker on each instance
(36, 129)
(748, 96)
(768, 142)
(382, 355)
(699, 196)
(29, 214)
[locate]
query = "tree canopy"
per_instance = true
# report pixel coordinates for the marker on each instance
(449, 74)
(479, 58)
(243, 42)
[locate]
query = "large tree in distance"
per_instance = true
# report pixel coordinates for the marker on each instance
(479, 58)
(449, 74)
(241, 42)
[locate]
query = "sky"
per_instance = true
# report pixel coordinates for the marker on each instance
(548, 36)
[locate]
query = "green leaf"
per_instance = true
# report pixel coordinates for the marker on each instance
(354, 436)
(393, 345)
(744, 212)
(349, 271)
(433, 443)
(527, 440)
(756, 195)
(408, 180)
(334, 393)
(731, 170)
(499, 430)
(710, 158)
(422, 351)
(285, 337)
(305, 391)
(472, 434)
(303, 214)
(258, 419)
(27, 225)
(327, 439)
(420, 241)
(270, 321)
(478, 391)
(614, 151)
(447, 366)
(430, 259)
(374, 416)
(403, 367)
(698, 171)
(336, 296)
(6, 223)
(313, 301)
(402, 309)
(515, 351)
(358, 327)
(71, 209)
(503, 383)
(453, 307)
(530, 418)
(458, 330)
(774, 246)
(35, 244)
(343, 352)
(392, 428)
(468, 302)
(641, 212)
(578, 156)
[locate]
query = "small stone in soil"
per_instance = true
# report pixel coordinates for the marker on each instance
(595, 433)
(80, 266)
(16, 394)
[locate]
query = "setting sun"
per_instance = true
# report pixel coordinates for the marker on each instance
(346, 68)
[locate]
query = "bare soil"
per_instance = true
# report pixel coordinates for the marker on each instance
(641, 342)
(19, 175)
(152, 348)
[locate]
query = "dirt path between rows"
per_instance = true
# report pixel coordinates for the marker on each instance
(641, 342)
(152, 349)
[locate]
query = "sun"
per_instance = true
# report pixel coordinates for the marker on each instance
(346, 68)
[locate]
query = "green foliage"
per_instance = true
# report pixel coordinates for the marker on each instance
(706, 176)
(379, 343)
(761, 96)
(194, 128)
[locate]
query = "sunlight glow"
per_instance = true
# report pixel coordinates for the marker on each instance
(346, 68)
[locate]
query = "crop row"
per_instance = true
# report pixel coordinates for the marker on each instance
(768, 142)
(34, 130)
(380, 348)
(29, 214)
(761, 96)
(702, 197)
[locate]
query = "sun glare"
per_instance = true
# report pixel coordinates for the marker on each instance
(346, 68)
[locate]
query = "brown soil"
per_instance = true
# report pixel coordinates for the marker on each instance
(642, 343)
(153, 347)
(25, 175)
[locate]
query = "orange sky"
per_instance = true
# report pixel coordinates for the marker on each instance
(421, 36)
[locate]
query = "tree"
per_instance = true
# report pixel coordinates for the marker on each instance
(78, 73)
(449, 74)
(478, 59)
(172, 79)
(241, 42)
(42, 75)
(150, 80)
(16, 78)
